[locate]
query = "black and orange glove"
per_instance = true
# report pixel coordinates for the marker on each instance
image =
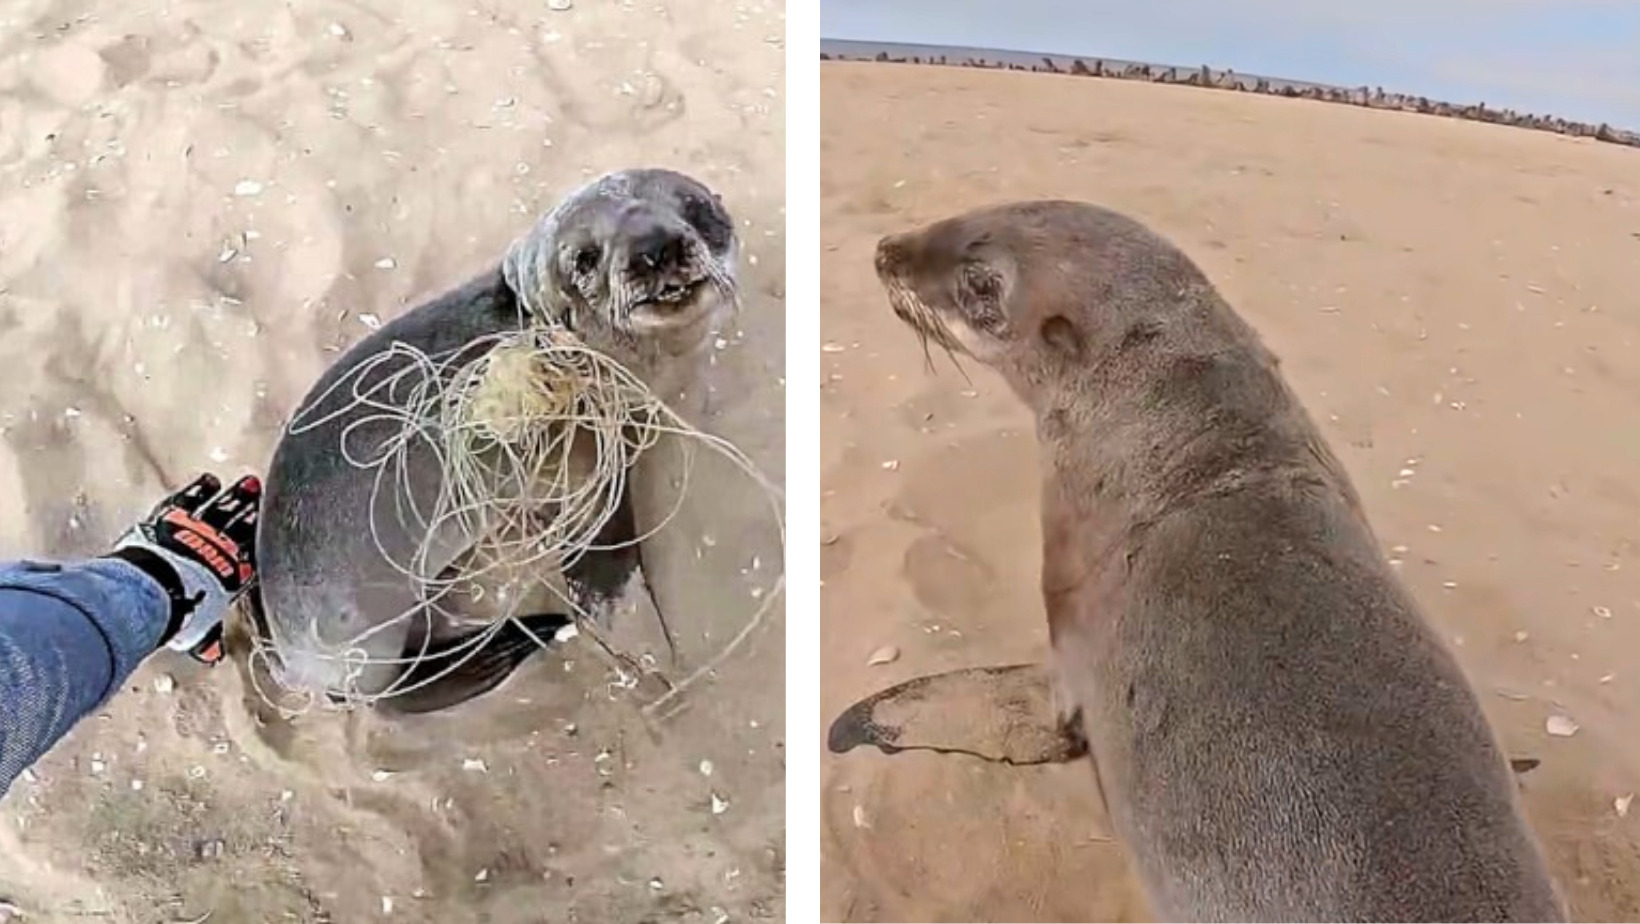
(199, 545)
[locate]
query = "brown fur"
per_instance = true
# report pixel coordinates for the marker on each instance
(1278, 733)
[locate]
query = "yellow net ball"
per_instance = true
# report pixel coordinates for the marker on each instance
(520, 392)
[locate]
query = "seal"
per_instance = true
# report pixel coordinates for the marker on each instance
(1278, 733)
(640, 264)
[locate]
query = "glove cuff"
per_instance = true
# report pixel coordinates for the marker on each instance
(165, 575)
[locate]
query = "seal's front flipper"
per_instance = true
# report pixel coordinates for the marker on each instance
(454, 670)
(599, 576)
(1000, 714)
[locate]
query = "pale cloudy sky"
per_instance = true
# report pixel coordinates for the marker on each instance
(1573, 58)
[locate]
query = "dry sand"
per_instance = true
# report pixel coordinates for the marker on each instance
(200, 204)
(1454, 302)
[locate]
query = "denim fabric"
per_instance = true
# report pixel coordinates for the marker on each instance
(69, 636)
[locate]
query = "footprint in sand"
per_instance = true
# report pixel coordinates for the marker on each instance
(946, 576)
(127, 60)
(961, 486)
(995, 843)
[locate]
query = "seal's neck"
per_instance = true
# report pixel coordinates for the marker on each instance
(673, 363)
(1173, 426)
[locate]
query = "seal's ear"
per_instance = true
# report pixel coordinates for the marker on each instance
(1060, 334)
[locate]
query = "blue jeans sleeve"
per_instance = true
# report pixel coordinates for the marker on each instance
(69, 636)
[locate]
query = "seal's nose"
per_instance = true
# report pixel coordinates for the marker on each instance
(657, 249)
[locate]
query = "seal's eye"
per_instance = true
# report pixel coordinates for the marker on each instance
(983, 287)
(979, 293)
(586, 259)
(980, 281)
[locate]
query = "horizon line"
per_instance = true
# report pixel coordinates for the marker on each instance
(1295, 81)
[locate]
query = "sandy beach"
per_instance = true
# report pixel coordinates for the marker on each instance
(1454, 302)
(200, 206)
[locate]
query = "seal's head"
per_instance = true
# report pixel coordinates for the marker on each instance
(632, 255)
(1037, 290)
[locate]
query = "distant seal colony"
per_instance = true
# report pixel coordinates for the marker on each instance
(1277, 732)
(638, 265)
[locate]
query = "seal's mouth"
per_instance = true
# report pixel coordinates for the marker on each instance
(676, 296)
(686, 298)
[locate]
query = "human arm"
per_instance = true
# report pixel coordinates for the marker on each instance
(70, 634)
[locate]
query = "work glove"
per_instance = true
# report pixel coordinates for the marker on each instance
(199, 545)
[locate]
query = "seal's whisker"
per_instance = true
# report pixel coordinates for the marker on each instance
(928, 355)
(624, 297)
(925, 323)
(722, 279)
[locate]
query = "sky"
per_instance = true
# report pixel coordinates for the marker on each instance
(1578, 59)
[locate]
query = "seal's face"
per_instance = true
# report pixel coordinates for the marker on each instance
(632, 254)
(950, 282)
(1032, 289)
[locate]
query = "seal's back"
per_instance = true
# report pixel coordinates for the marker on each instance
(1281, 737)
(1279, 733)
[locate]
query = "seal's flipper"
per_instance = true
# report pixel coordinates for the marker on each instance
(1000, 714)
(600, 575)
(434, 682)
(257, 610)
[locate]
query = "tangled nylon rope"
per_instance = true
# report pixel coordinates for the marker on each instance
(535, 436)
